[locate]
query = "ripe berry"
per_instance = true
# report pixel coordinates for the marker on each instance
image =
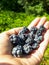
(42, 28)
(35, 45)
(24, 30)
(39, 33)
(38, 39)
(17, 51)
(23, 36)
(33, 29)
(29, 40)
(27, 49)
(14, 39)
(31, 34)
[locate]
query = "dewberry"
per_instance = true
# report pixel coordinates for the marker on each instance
(39, 32)
(35, 45)
(14, 39)
(27, 49)
(38, 39)
(33, 29)
(31, 34)
(29, 40)
(42, 28)
(17, 51)
(23, 36)
(24, 30)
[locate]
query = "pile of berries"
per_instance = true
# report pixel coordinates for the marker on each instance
(26, 41)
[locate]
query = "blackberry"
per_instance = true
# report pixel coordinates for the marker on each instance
(17, 51)
(42, 28)
(29, 40)
(31, 34)
(33, 29)
(27, 49)
(24, 30)
(39, 33)
(21, 41)
(35, 45)
(14, 39)
(23, 36)
(38, 39)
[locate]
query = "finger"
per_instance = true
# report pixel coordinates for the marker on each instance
(43, 47)
(42, 21)
(46, 25)
(44, 44)
(14, 31)
(40, 51)
(34, 22)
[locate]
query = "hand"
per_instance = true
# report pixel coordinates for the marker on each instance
(35, 58)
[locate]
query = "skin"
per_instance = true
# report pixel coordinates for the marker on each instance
(35, 57)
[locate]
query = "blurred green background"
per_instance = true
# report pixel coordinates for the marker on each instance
(16, 13)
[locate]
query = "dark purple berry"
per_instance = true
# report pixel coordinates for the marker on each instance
(23, 36)
(17, 51)
(42, 28)
(31, 34)
(35, 45)
(24, 30)
(39, 33)
(27, 49)
(29, 40)
(38, 39)
(33, 29)
(14, 39)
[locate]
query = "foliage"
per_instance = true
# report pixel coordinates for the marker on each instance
(28, 6)
(37, 9)
(10, 5)
(46, 5)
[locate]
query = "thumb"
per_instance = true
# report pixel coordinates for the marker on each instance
(13, 31)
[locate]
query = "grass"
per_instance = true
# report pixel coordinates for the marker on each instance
(10, 19)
